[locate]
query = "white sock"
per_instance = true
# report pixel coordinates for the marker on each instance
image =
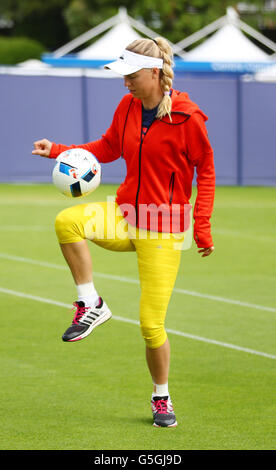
(88, 294)
(160, 390)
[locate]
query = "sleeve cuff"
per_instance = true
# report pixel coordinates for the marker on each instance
(55, 150)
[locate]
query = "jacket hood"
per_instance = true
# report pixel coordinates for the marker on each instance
(182, 108)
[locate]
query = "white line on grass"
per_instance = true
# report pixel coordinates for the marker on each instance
(227, 233)
(26, 228)
(225, 300)
(239, 234)
(135, 322)
(29, 202)
(246, 205)
(135, 281)
(21, 259)
(218, 205)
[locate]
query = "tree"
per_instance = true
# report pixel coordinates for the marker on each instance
(38, 19)
(173, 19)
(55, 22)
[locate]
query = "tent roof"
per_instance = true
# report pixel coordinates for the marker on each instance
(227, 44)
(227, 50)
(32, 64)
(121, 24)
(111, 45)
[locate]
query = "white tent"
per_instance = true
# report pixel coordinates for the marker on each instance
(33, 64)
(120, 30)
(228, 49)
(34, 67)
(228, 43)
(111, 45)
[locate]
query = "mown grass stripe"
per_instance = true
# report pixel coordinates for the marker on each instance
(136, 281)
(128, 320)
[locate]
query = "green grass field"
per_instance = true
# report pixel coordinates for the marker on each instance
(95, 394)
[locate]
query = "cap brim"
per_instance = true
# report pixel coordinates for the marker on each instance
(122, 68)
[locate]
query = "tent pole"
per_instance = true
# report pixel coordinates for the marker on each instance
(70, 46)
(201, 33)
(144, 29)
(255, 34)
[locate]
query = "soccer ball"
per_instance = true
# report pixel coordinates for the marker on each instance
(77, 172)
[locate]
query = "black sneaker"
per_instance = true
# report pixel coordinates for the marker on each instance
(163, 414)
(86, 319)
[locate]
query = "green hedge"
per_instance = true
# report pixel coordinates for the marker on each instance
(17, 49)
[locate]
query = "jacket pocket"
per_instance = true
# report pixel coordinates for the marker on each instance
(171, 187)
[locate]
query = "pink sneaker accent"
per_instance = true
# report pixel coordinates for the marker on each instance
(79, 312)
(161, 406)
(163, 413)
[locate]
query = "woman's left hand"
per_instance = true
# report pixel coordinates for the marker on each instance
(206, 251)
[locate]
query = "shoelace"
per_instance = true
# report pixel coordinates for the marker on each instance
(161, 406)
(79, 313)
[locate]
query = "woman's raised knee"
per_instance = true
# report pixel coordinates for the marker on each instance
(69, 228)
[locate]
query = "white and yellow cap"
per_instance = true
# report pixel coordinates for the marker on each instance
(130, 62)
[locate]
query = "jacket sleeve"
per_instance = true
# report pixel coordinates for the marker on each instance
(106, 149)
(200, 153)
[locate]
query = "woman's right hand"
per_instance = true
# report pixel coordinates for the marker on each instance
(42, 147)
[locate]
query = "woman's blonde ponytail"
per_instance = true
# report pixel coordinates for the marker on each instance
(166, 77)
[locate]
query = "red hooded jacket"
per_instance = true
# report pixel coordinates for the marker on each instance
(160, 167)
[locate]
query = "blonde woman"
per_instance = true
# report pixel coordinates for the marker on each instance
(161, 134)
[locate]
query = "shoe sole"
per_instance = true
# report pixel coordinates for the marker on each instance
(169, 426)
(102, 319)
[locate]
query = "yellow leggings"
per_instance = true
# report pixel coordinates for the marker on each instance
(158, 258)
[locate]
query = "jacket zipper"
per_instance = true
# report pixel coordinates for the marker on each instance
(139, 178)
(124, 130)
(171, 187)
(139, 175)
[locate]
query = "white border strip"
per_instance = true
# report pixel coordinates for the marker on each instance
(134, 322)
